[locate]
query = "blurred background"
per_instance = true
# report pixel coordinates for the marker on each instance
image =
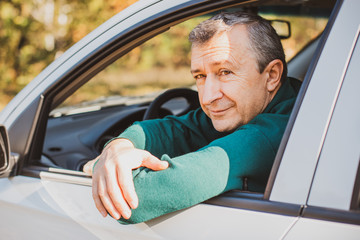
(35, 32)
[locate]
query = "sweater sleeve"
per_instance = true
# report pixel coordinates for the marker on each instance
(197, 176)
(173, 136)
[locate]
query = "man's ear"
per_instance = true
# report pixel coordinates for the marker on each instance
(274, 70)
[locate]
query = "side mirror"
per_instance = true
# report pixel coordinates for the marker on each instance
(4, 148)
(282, 28)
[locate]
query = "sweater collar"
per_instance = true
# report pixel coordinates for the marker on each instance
(288, 89)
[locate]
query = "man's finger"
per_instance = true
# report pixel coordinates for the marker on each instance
(97, 200)
(116, 198)
(154, 163)
(104, 201)
(88, 167)
(126, 183)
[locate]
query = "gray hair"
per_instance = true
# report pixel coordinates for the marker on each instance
(264, 40)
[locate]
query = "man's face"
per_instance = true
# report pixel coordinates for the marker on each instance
(231, 89)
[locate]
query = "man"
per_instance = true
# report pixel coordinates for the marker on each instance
(240, 71)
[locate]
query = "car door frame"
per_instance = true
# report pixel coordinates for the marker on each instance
(333, 207)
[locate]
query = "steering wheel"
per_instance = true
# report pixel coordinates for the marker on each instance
(155, 111)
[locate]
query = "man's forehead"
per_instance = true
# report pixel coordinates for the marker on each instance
(230, 34)
(230, 40)
(222, 49)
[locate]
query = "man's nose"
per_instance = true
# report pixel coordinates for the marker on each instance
(212, 90)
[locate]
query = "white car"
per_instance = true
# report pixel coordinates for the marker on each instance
(313, 191)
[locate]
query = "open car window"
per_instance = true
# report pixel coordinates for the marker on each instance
(163, 62)
(117, 96)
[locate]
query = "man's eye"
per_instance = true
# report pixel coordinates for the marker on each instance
(199, 76)
(225, 72)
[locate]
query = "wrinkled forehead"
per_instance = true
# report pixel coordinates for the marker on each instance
(210, 33)
(226, 49)
(234, 40)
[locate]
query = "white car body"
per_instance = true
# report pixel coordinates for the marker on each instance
(313, 190)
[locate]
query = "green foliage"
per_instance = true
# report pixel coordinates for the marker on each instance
(168, 50)
(162, 62)
(17, 50)
(34, 32)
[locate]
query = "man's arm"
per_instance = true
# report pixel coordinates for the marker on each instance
(113, 189)
(195, 177)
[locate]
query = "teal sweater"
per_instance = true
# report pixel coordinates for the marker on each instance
(203, 162)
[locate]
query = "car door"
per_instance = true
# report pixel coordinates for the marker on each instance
(332, 208)
(52, 203)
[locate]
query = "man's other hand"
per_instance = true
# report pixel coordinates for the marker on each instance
(112, 182)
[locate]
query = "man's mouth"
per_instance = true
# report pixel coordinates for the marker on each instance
(218, 112)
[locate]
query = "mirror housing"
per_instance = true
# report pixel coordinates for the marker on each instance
(282, 28)
(4, 149)
(7, 160)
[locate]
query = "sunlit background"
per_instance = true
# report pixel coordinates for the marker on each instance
(34, 33)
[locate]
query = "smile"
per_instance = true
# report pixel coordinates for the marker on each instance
(218, 112)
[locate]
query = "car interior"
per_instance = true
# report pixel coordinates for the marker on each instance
(77, 132)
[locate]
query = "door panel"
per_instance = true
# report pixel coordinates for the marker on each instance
(55, 210)
(316, 229)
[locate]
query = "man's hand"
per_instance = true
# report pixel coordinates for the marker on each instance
(112, 183)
